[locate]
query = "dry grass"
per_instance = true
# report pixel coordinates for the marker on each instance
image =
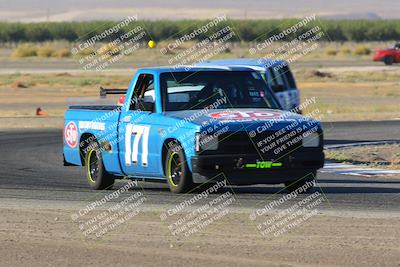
(24, 50)
(21, 94)
(362, 50)
(45, 51)
(64, 80)
(352, 95)
(331, 51)
(62, 53)
(325, 50)
(387, 156)
(339, 96)
(353, 101)
(345, 51)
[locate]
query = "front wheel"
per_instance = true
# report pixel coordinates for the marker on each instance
(388, 60)
(177, 171)
(97, 176)
(302, 185)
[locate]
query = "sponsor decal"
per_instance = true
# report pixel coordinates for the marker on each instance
(241, 115)
(263, 165)
(71, 134)
(93, 125)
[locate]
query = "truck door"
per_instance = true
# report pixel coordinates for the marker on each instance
(137, 151)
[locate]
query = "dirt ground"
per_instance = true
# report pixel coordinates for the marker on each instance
(49, 237)
(341, 94)
(377, 156)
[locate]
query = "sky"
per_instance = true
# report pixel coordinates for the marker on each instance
(82, 10)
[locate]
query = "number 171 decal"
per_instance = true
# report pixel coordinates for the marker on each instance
(132, 150)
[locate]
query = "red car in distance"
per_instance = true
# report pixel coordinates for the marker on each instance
(388, 56)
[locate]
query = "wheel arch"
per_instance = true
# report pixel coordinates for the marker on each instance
(164, 151)
(84, 142)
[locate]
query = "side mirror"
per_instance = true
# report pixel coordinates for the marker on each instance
(278, 88)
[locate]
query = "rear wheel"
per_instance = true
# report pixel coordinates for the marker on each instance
(177, 171)
(388, 60)
(306, 183)
(97, 176)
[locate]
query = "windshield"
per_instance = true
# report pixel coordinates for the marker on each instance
(219, 89)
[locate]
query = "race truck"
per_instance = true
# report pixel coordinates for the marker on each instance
(388, 56)
(193, 125)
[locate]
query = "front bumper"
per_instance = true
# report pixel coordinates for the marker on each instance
(241, 169)
(378, 58)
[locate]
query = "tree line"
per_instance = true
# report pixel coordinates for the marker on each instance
(245, 30)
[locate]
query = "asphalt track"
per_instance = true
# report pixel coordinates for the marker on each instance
(31, 168)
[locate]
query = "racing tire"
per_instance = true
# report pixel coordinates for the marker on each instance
(97, 176)
(388, 60)
(178, 175)
(308, 181)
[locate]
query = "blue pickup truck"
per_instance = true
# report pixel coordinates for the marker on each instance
(192, 125)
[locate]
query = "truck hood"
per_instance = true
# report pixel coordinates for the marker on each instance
(242, 118)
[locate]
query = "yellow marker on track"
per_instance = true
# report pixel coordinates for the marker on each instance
(151, 44)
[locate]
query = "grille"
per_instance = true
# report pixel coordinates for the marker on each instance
(242, 143)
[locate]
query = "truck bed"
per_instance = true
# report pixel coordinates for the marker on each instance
(94, 107)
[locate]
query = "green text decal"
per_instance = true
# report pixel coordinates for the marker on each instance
(263, 165)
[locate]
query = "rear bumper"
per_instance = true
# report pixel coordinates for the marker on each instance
(240, 169)
(67, 163)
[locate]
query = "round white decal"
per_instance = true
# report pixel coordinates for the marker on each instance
(71, 134)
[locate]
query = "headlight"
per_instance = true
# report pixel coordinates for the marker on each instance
(206, 142)
(311, 140)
